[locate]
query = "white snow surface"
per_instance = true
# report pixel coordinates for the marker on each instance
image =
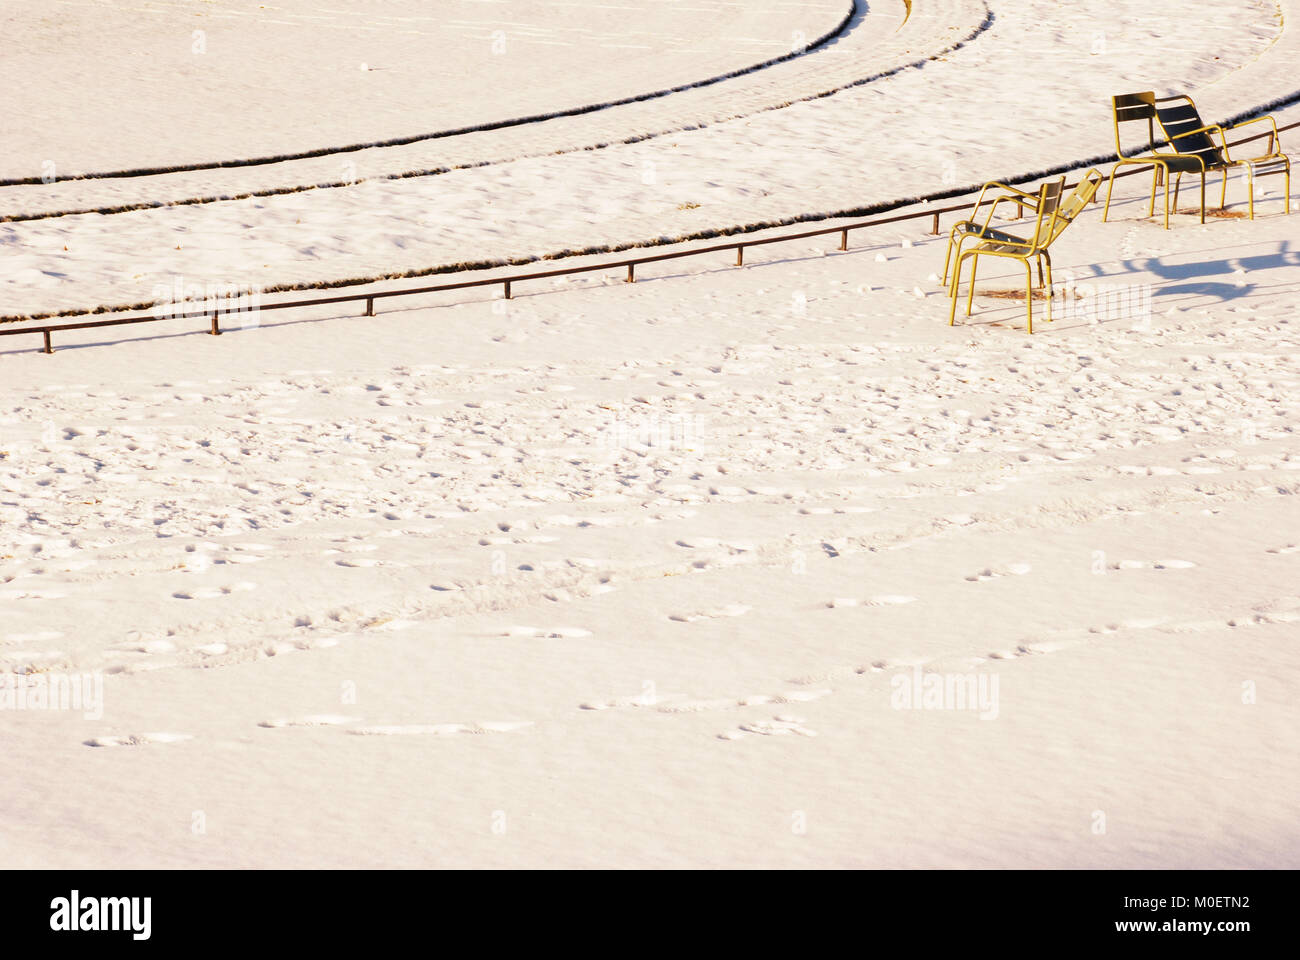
(638, 574)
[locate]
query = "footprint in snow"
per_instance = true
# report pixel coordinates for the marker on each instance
(210, 593)
(991, 573)
(29, 595)
(879, 666)
(885, 600)
(780, 725)
(1152, 565)
(39, 637)
(647, 699)
(137, 739)
(440, 729)
(1024, 650)
(757, 699)
(314, 720)
(730, 610)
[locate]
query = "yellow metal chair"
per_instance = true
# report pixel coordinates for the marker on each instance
(1196, 151)
(1051, 216)
(1130, 107)
(1182, 126)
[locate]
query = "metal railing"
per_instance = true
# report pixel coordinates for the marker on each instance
(214, 314)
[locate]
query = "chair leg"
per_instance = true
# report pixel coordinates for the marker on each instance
(970, 297)
(1155, 186)
(1223, 193)
(1202, 196)
(1178, 182)
(1029, 294)
(1051, 290)
(1166, 181)
(955, 283)
(954, 253)
(1106, 210)
(952, 291)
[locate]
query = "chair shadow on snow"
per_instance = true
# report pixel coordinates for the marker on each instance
(1284, 257)
(1185, 279)
(1194, 280)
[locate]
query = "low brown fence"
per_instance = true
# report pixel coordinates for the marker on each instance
(214, 314)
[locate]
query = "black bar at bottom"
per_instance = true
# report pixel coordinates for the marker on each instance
(983, 911)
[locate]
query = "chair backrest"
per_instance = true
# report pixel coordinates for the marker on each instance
(1063, 213)
(1049, 203)
(1134, 106)
(1180, 114)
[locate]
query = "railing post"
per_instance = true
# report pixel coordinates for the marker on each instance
(631, 276)
(844, 240)
(740, 256)
(216, 327)
(934, 231)
(48, 348)
(370, 306)
(508, 296)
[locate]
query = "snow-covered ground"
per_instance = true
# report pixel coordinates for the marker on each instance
(173, 82)
(667, 573)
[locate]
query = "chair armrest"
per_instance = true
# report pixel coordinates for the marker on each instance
(1187, 133)
(983, 231)
(1031, 202)
(968, 228)
(1029, 197)
(1274, 140)
(1012, 194)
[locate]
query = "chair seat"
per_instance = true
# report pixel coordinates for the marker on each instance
(1017, 247)
(1178, 163)
(970, 228)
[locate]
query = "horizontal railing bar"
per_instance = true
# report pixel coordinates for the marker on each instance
(506, 281)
